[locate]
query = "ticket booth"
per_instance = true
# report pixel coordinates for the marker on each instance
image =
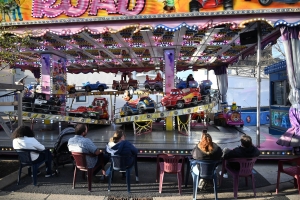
(279, 103)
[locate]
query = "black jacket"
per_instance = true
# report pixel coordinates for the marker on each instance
(242, 152)
(216, 154)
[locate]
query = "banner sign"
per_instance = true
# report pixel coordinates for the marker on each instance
(25, 10)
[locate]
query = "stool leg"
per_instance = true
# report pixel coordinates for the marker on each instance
(90, 174)
(74, 177)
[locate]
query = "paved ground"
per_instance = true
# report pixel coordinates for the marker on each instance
(60, 187)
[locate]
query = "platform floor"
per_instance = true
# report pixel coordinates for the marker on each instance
(159, 140)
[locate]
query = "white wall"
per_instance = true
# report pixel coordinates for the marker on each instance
(242, 90)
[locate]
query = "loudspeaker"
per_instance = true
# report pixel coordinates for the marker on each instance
(249, 37)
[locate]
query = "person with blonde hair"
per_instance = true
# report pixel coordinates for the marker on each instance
(117, 145)
(206, 149)
(118, 136)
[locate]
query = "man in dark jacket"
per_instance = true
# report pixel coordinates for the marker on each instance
(246, 150)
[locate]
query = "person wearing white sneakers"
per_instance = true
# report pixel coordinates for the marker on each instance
(23, 138)
(206, 149)
(246, 150)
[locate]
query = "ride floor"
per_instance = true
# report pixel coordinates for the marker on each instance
(159, 140)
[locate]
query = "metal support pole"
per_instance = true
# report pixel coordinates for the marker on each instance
(258, 84)
(207, 74)
(114, 109)
(170, 71)
(20, 121)
(111, 108)
(189, 124)
(59, 127)
(134, 128)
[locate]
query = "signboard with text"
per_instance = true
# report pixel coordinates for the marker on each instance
(26, 10)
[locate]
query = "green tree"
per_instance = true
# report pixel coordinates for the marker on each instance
(11, 44)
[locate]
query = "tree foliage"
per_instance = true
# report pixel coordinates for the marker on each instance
(11, 44)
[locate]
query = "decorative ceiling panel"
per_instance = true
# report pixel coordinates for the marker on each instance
(141, 47)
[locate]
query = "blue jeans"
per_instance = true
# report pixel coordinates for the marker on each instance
(101, 158)
(47, 157)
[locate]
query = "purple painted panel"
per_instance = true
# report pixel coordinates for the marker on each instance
(45, 69)
(169, 56)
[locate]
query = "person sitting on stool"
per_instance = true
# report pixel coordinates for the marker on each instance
(246, 150)
(23, 138)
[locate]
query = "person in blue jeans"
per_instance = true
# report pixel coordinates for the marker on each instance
(23, 138)
(80, 143)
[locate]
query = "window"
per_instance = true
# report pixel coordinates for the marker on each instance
(205, 72)
(280, 92)
(81, 99)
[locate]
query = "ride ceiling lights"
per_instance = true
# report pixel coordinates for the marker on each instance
(140, 47)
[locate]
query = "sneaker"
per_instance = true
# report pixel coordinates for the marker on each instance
(49, 175)
(38, 173)
(225, 175)
(202, 184)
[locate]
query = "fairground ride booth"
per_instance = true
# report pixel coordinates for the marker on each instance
(279, 102)
(90, 36)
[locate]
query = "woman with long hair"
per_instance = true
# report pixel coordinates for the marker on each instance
(23, 138)
(206, 149)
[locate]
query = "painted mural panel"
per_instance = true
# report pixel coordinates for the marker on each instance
(59, 75)
(26, 10)
(169, 57)
(280, 119)
(45, 72)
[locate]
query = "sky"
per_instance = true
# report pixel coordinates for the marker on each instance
(184, 74)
